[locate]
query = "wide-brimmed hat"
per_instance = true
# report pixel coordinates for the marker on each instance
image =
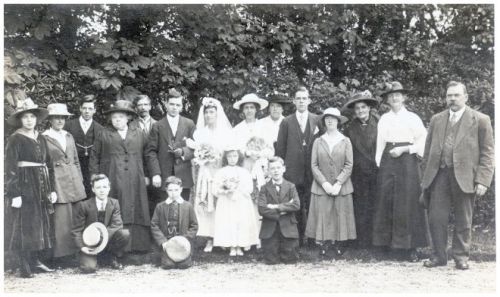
(178, 248)
(58, 109)
(27, 105)
(332, 111)
(251, 98)
(394, 87)
(95, 236)
(121, 106)
(279, 98)
(365, 96)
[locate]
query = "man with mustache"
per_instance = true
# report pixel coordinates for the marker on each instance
(459, 165)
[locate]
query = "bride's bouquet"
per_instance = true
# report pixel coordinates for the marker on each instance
(204, 154)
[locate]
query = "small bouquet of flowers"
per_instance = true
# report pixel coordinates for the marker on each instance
(260, 151)
(229, 185)
(204, 154)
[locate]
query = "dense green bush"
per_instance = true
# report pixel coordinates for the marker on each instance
(55, 53)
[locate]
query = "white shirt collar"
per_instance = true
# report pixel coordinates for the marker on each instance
(171, 118)
(305, 114)
(83, 121)
(178, 200)
(458, 113)
(100, 202)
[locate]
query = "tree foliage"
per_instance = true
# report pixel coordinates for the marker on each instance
(55, 53)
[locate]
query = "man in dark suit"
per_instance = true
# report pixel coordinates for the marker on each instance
(166, 151)
(294, 143)
(145, 122)
(84, 129)
(459, 165)
(105, 210)
(278, 202)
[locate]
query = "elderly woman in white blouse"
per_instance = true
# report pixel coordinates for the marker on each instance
(399, 221)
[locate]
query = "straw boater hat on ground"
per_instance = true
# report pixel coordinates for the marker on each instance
(394, 87)
(332, 111)
(121, 106)
(24, 106)
(251, 98)
(178, 248)
(365, 96)
(58, 109)
(96, 237)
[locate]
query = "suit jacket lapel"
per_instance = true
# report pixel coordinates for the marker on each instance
(181, 217)
(180, 129)
(310, 119)
(272, 190)
(325, 146)
(93, 210)
(466, 122)
(168, 131)
(441, 125)
(284, 190)
(108, 211)
(56, 143)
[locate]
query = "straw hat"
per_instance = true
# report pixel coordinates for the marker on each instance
(95, 236)
(58, 109)
(251, 98)
(332, 111)
(365, 96)
(178, 248)
(27, 105)
(121, 106)
(279, 98)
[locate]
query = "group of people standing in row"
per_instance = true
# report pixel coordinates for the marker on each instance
(273, 183)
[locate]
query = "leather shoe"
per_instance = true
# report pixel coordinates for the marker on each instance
(433, 263)
(42, 267)
(462, 265)
(115, 264)
(413, 256)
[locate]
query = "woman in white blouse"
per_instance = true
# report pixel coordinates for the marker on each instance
(399, 221)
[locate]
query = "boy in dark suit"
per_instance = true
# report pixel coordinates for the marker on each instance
(278, 202)
(105, 210)
(173, 217)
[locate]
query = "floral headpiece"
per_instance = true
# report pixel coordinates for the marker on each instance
(209, 102)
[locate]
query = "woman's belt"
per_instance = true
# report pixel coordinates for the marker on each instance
(391, 145)
(30, 164)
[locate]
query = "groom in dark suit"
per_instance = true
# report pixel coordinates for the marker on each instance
(166, 151)
(459, 165)
(295, 138)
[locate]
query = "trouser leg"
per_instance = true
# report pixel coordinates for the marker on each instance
(270, 247)
(439, 212)
(118, 243)
(301, 215)
(288, 249)
(463, 204)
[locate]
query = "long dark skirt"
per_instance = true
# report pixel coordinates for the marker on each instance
(140, 238)
(365, 193)
(63, 218)
(399, 220)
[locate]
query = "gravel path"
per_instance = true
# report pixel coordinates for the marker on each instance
(324, 276)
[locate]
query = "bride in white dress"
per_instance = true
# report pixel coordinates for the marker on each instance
(210, 139)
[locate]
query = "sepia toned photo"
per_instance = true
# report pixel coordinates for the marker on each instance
(249, 148)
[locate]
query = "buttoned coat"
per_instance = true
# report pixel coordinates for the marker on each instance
(161, 142)
(328, 167)
(288, 202)
(290, 148)
(122, 162)
(188, 225)
(86, 214)
(68, 175)
(473, 151)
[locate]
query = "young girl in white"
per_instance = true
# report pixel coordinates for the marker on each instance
(235, 225)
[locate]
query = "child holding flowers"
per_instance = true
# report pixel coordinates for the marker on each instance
(235, 224)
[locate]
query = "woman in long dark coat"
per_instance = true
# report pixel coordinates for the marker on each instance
(29, 185)
(118, 153)
(363, 134)
(399, 220)
(68, 178)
